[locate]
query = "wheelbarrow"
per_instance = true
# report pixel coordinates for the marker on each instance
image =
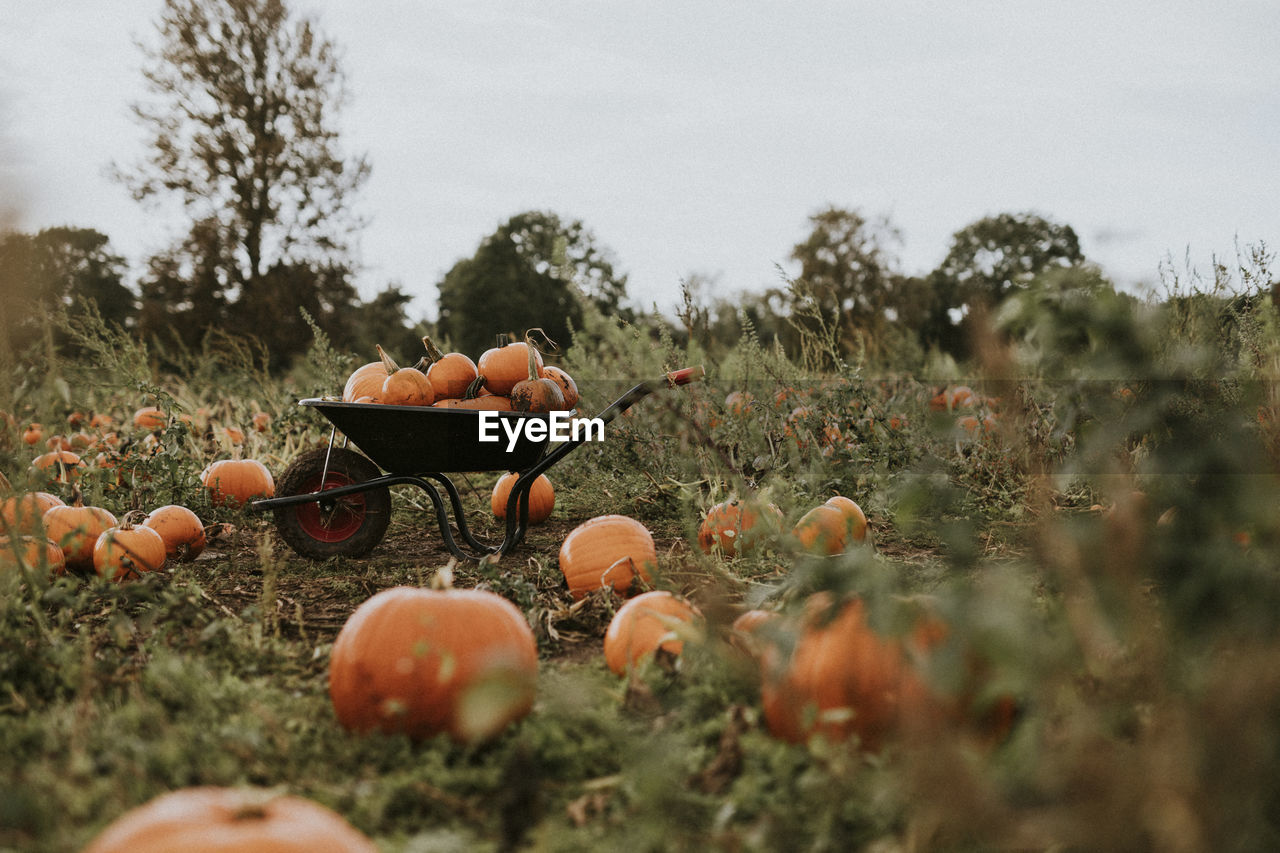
(335, 501)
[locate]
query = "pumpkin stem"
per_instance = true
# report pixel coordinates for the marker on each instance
(474, 388)
(77, 496)
(387, 361)
(132, 519)
(533, 360)
(433, 352)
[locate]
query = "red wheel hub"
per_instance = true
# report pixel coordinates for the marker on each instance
(331, 520)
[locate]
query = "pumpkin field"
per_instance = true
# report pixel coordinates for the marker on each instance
(802, 603)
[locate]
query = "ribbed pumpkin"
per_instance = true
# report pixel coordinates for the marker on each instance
(424, 661)
(502, 367)
(230, 820)
(127, 551)
(404, 386)
(842, 679)
(535, 393)
(60, 466)
(608, 550)
(181, 530)
(542, 497)
(645, 624)
(365, 381)
(832, 527)
(24, 514)
(450, 373)
(735, 526)
(235, 482)
(568, 387)
(33, 553)
(76, 529)
(150, 418)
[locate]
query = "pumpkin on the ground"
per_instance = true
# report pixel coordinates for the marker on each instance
(423, 662)
(608, 550)
(31, 552)
(23, 514)
(235, 482)
(650, 622)
(181, 529)
(736, 526)
(542, 497)
(229, 820)
(128, 551)
(76, 529)
(150, 418)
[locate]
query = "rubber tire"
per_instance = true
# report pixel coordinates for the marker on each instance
(303, 475)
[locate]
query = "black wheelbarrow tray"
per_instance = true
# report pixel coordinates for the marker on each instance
(336, 502)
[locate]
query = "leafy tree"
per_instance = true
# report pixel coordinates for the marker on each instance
(243, 134)
(57, 271)
(534, 271)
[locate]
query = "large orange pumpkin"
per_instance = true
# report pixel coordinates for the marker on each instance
(150, 418)
(235, 482)
(842, 679)
(404, 386)
(31, 552)
(76, 529)
(542, 497)
(24, 514)
(736, 526)
(423, 661)
(181, 530)
(643, 625)
(127, 551)
(230, 820)
(450, 373)
(608, 550)
(365, 381)
(503, 367)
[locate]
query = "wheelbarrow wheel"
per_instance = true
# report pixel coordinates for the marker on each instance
(348, 526)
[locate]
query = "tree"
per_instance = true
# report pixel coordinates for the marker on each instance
(59, 270)
(243, 134)
(534, 271)
(847, 269)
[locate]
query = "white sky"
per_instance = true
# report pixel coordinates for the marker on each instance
(697, 137)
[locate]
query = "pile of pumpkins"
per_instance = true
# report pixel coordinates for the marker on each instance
(508, 377)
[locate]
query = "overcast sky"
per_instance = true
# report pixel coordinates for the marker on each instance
(697, 137)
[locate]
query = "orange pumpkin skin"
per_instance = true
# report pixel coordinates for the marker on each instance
(489, 402)
(181, 530)
(61, 466)
(855, 518)
(408, 386)
(76, 529)
(230, 820)
(568, 387)
(732, 524)
(150, 418)
(127, 552)
(643, 625)
(450, 373)
(608, 550)
(423, 662)
(235, 482)
(503, 367)
(542, 497)
(842, 679)
(365, 381)
(24, 514)
(32, 552)
(744, 633)
(32, 434)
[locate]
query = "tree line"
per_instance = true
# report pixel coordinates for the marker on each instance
(242, 117)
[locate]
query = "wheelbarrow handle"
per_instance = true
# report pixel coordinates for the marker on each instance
(685, 375)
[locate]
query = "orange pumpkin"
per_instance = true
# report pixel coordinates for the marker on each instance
(542, 497)
(60, 466)
(127, 551)
(24, 514)
(181, 530)
(744, 633)
(842, 679)
(261, 421)
(735, 526)
(536, 393)
(31, 552)
(488, 402)
(229, 820)
(76, 529)
(608, 550)
(32, 434)
(643, 625)
(423, 661)
(568, 387)
(832, 527)
(854, 517)
(404, 386)
(235, 482)
(365, 381)
(150, 418)
(503, 367)
(450, 374)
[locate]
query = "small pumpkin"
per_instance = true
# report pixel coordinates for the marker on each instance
(235, 482)
(24, 514)
(60, 466)
(150, 418)
(76, 529)
(643, 626)
(32, 434)
(542, 497)
(504, 366)
(424, 661)
(229, 820)
(608, 550)
(735, 526)
(536, 393)
(568, 387)
(261, 421)
(181, 529)
(450, 373)
(832, 527)
(128, 550)
(404, 386)
(32, 553)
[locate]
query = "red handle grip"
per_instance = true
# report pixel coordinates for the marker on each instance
(685, 375)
